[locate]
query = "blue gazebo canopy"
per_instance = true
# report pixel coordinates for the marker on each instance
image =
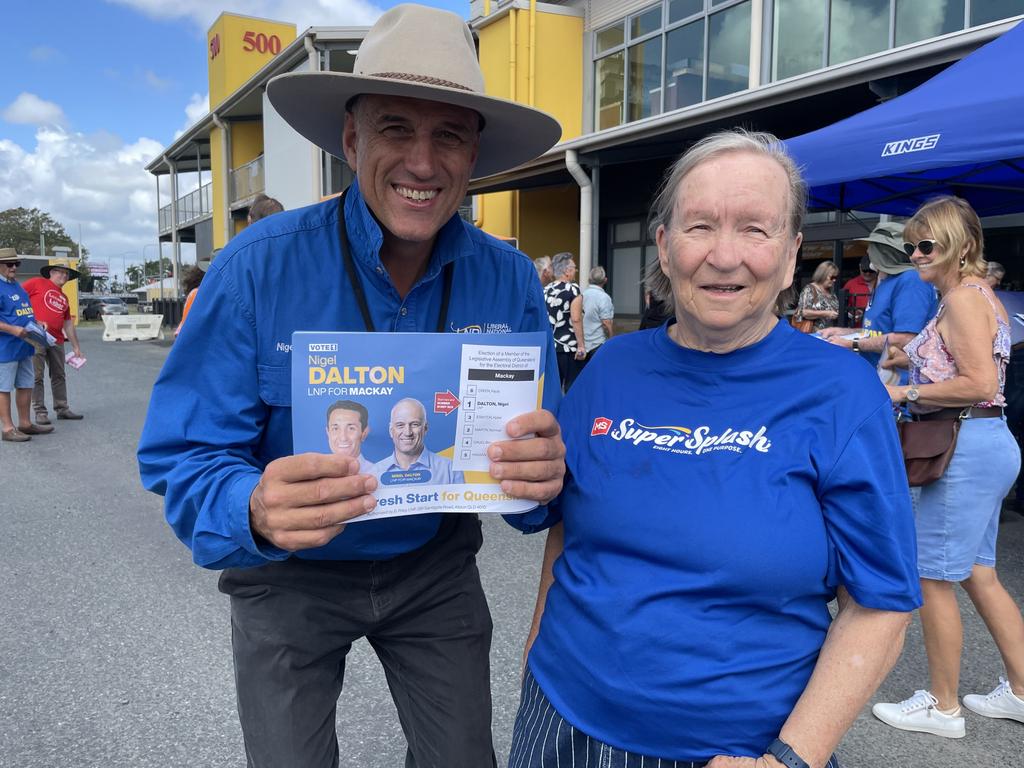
(961, 133)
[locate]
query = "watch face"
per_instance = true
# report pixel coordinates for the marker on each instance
(913, 394)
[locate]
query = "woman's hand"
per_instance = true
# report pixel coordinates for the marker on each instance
(897, 358)
(898, 395)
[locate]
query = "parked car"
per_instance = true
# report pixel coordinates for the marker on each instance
(104, 305)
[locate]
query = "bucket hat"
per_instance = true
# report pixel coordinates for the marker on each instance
(73, 274)
(420, 53)
(9, 254)
(885, 248)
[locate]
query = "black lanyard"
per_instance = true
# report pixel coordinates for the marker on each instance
(357, 284)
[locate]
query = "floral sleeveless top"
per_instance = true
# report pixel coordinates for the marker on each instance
(931, 361)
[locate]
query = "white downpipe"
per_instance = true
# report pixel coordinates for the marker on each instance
(586, 206)
(175, 243)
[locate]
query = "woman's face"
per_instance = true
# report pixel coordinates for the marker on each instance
(729, 251)
(934, 267)
(829, 281)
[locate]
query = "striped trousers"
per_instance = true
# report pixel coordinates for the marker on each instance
(541, 738)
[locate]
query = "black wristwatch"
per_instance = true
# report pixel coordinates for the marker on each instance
(784, 753)
(856, 346)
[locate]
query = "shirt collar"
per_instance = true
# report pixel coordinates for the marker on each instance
(366, 236)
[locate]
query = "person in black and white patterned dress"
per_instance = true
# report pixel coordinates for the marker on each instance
(559, 296)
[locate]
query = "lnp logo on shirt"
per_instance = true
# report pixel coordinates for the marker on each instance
(683, 440)
(482, 328)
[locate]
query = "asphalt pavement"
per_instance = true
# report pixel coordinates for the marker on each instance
(115, 648)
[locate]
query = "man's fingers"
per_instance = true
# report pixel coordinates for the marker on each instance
(316, 492)
(541, 423)
(542, 493)
(530, 449)
(310, 466)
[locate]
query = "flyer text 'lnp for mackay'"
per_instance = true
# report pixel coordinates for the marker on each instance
(360, 379)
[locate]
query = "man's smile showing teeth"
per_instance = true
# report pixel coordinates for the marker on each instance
(416, 194)
(729, 288)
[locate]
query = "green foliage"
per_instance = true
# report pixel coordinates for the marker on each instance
(20, 229)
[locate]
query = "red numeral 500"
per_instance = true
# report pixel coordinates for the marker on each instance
(261, 43)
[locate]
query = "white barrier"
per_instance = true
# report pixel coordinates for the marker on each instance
(132, 327)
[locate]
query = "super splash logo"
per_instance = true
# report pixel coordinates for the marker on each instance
(683, 440)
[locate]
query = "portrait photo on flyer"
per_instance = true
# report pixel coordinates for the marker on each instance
(417, 410)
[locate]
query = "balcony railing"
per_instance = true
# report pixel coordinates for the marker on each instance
(192, 207)
(247, 180)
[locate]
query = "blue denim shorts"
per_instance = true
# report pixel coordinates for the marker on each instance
(957, 516)
(17, 374)
(541, 737)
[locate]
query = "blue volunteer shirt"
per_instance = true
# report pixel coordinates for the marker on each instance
(16, 309)
(220, 409)
(902, 303)
(713, 505)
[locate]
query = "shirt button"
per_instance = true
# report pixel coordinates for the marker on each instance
(380, 270)
(404, 312)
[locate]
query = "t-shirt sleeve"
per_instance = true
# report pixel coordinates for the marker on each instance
(913, 305)
(607, 310)
(869, 520)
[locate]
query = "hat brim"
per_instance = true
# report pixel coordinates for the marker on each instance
(73, 274)
(313, 104)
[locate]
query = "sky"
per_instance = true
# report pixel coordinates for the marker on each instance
(93, 90)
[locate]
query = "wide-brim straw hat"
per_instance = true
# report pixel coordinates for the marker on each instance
(73, 274)
(420, 53)
(9, 254)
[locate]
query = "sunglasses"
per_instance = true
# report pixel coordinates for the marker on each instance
(925, 247)
(10, 263)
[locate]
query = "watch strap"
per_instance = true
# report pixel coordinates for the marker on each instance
(856, 345)
(784, 753)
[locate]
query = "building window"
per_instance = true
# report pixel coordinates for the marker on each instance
(668, 56)
(810, 35)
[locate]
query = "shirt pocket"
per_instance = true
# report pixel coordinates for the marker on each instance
(275, 385)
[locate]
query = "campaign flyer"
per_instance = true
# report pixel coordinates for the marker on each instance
(418, 410)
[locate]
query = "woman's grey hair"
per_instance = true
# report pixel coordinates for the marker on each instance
(598, 276)
(709, 148)
(560, 263)
(996, 269)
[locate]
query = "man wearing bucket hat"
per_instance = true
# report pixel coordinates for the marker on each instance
(15, 354)
(414, 123)
(53, 310)
(902, 303)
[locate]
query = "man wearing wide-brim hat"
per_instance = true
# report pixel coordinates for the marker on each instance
(902, 303)
(414, 123)
(53, 311)
(15, 354)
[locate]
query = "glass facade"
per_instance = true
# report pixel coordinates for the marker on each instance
(671, 55)
(811, 34)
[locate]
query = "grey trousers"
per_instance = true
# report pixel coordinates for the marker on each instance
(426, 617)
(52, 357)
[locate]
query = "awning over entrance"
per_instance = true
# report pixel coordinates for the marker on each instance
(961, 133)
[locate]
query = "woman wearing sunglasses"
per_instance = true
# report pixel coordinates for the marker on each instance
(958, 371)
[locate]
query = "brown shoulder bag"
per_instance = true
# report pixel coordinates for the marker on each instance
(927, 448)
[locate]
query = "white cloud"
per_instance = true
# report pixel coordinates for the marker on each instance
(29, 109)
(196, 108)
(302, 13)
(96, 182)
(153, 80)
(43, 53)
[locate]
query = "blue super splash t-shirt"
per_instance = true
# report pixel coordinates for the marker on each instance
(15, 309)
(713, 504)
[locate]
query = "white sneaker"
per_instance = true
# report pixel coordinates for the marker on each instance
(1000, 703)
(921, 713)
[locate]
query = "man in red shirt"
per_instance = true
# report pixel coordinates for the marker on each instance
(859, 289)
(53, 310)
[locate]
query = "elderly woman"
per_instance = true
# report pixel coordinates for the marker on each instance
(817, 301)
(717, 498)
(958, 369)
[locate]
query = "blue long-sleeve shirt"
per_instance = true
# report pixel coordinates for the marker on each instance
(220, 409)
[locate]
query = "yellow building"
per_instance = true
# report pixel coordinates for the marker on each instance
(633, 83)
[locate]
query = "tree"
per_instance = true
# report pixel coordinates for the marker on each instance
(133, 272)
(20, 229)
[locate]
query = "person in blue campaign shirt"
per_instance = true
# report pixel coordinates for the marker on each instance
(719, 494)
(17, 376)
(391, 255)
(901, 305)
(411, 458)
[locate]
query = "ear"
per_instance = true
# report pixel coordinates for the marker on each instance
(661, 237)
(348, 140)
(790, 265)
(365, 433)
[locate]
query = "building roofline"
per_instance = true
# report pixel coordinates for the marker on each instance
(948, 48)
(292, 54)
